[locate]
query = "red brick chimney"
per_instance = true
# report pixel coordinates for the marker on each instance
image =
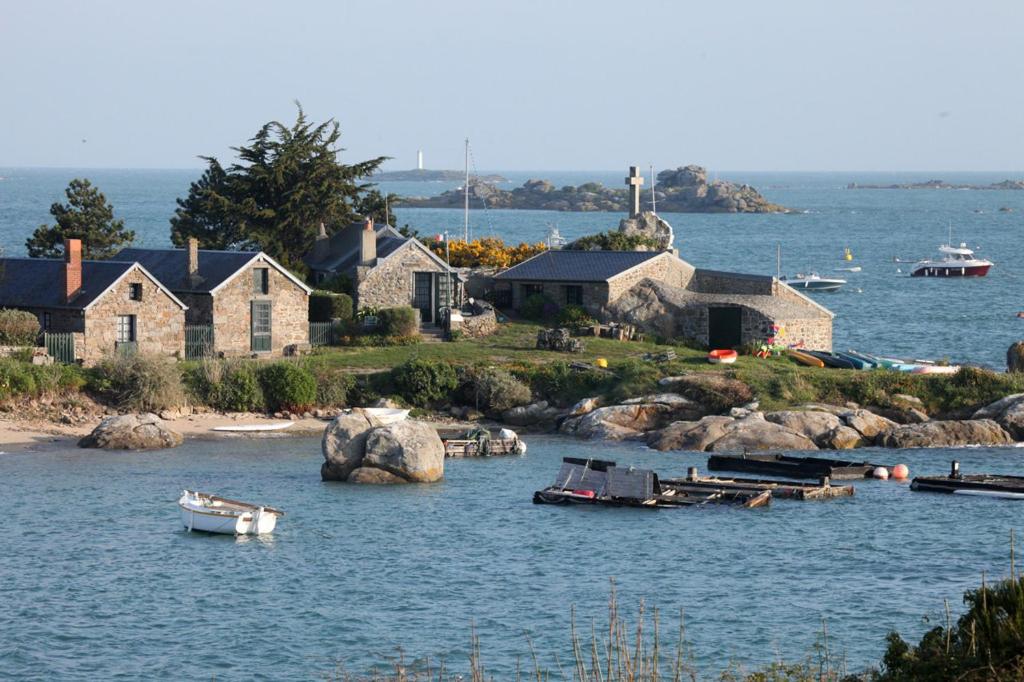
(368, 245)
(72, 268)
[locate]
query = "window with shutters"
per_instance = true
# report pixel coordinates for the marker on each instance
(135, 291)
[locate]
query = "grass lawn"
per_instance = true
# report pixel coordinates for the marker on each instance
(514, 343)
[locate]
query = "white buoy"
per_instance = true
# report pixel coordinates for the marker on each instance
(881, 473)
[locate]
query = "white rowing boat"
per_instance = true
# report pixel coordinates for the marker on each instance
(212, 514)
(383, 416)
(248, 428)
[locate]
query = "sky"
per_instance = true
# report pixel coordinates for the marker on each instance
(535, 85)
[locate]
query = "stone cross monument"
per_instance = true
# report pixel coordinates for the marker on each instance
(633, 182)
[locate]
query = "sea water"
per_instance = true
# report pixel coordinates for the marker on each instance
(100, 580)
(881, 310)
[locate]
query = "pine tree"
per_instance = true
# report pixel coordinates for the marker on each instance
(87, 216)
(286, 181)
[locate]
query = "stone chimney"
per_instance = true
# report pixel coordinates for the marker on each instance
(322, 245)
(368, 244)
(72, 268)
(193, 259)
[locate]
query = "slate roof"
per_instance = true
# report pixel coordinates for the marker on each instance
(170, 266)
(388, 241)
(38, 282)
(577, 266)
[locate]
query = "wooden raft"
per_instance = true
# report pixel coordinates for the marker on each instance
(793, 490)
(460, 447)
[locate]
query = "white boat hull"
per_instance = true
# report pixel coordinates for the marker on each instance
(383, 416)
(197, 514)
(252, 428)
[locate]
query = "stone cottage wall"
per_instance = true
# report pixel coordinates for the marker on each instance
(232, 313)
(200, 308)
(390, 283)
(159, 321)
(713, 282)
(666, 268)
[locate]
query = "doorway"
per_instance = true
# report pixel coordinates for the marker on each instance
(725, 327)
(422, 298)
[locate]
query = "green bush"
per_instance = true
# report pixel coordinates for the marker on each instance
(614, 240)
(574, 316)
(538, 307)
(560, 384)
(18, 328)
(333, 384)
(138, 382)
(491, 388)
(339, 284)
(400, 321)
(240, 389)
(325, 306)
(422, 382)
(288, 386)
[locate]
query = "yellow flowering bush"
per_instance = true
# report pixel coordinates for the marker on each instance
(486, 252)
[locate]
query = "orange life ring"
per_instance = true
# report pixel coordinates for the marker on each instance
(722, 356)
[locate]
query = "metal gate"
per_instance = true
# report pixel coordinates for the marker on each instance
(198, 341)
(61, 346)
(322, 333)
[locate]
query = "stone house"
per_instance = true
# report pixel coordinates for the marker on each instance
(664, 294)
(385, 268)
(252, 303)
(105, 305)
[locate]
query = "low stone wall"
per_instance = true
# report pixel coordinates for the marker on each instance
(477, 324)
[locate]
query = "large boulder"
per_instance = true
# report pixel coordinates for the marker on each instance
(901, 414)
(868, 424)
(343, 446)
(648, 224)
(842, 438)
(817, 426)
(585, 406)
(1008, 412)
(935, 434)
(690, 435)
(374, 476)
(617, 422)
(132, 432)
(408, 449)
(755, 433)
(1015, 357)
(530, 415)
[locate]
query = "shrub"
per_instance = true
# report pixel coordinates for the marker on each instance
(240, 389)
(287, 386)
(538, 307)
(339, 284)
(138, 382)
(559, 383)
(486, 252)
(18, 328)
(400, 321)
(635, 378)
(491, 388)
(325, 306)
(333, 384)
(574, 316)
(614, 240)
(422, 382)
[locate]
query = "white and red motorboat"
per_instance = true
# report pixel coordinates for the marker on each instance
(956, 261)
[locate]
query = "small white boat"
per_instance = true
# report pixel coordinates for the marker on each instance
(246, 428)
(813, 282)
(383, 416)
(212, 514)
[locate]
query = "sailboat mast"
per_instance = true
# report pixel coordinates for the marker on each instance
(465, 194)
(778, 261)
(654, 199)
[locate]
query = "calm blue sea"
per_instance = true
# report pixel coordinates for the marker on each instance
(881, 310)
(98, 580)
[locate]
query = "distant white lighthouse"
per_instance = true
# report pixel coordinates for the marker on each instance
(419, 159)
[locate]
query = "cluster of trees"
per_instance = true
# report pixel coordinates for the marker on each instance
(285, 182)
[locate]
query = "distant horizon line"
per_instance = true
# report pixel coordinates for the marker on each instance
(530, 170)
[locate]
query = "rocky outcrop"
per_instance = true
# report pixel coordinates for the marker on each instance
(408, 449)
(946, 434)
(690, 435)
(132, 432)
(1008, 412)
(343, 445)
(403, 452)
(756, 433)
(817, 426)
(716, 392)
(942, 184)
(648, 225)
(618, 422)
(867, 423)
(683, 190)
(531, 415)
(1015, 357)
